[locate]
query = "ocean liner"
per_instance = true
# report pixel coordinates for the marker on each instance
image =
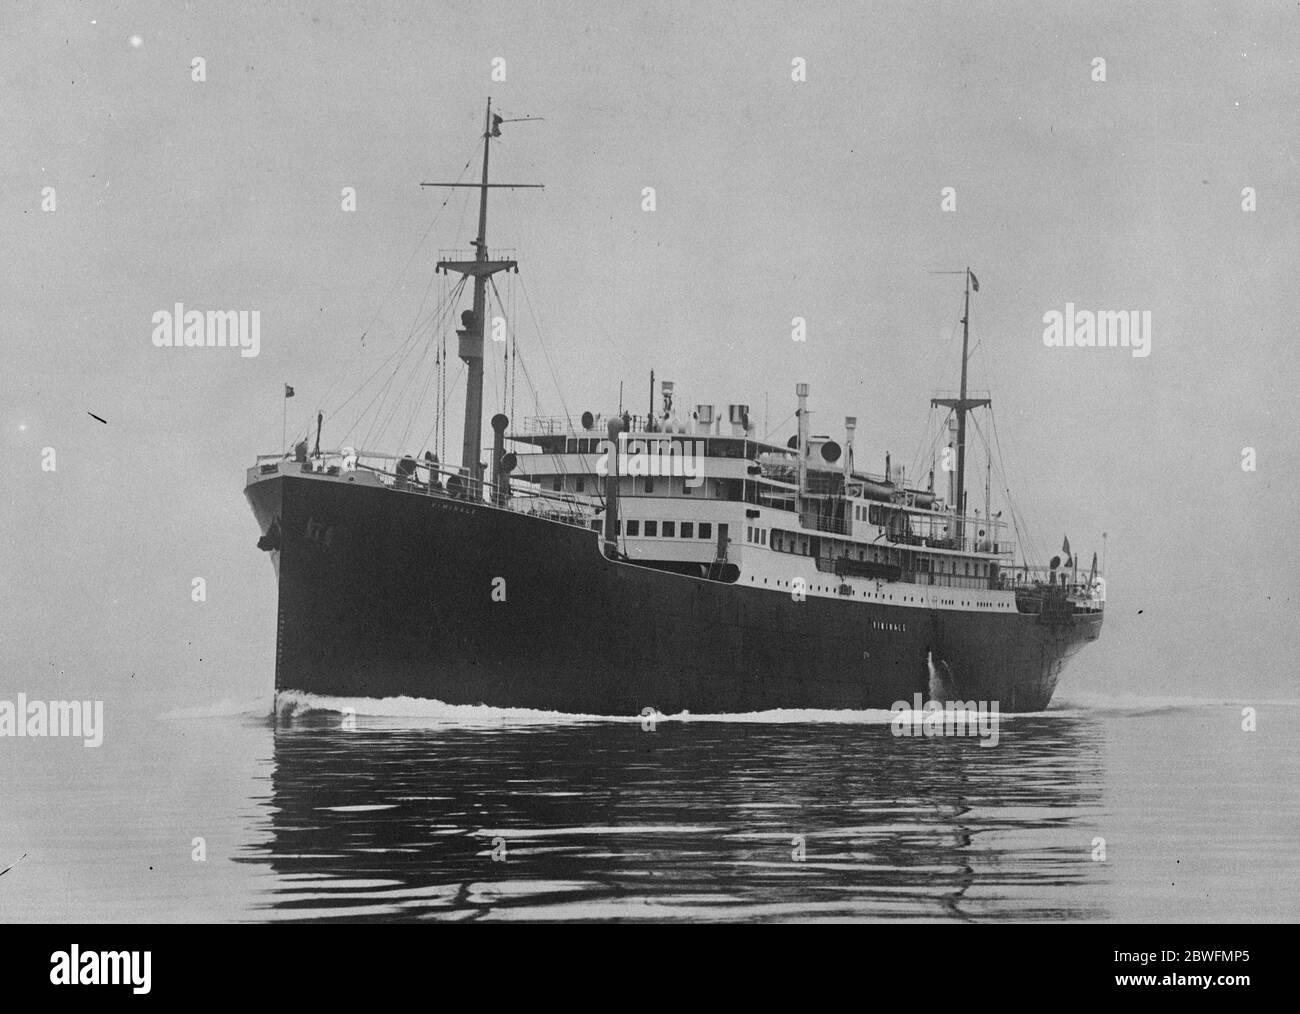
(671, 561)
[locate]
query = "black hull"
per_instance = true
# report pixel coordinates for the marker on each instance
(385, 594)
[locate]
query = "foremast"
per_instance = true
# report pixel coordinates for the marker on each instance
(481, 268)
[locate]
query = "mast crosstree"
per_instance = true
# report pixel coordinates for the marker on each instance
(470, 333)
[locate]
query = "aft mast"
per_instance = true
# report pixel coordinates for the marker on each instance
(481, 268)
(961, 405)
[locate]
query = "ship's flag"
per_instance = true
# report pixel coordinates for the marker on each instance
(288, 391)
(496, 124)
(974, 282)
(1092, 574)
(1065, 548)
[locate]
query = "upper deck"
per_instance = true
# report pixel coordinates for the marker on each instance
(718, 531)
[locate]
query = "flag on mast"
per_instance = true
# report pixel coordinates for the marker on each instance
(974, 282)
(288, 391)
(1065, 548)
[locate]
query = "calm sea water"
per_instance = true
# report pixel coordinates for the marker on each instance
(428, 812)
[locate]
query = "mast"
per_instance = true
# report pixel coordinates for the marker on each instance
(962, 405)
(471, 343)
(481, 268)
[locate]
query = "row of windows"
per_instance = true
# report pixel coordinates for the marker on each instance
(875, 514)
(669, 529)
(713, 448)
(758, 536)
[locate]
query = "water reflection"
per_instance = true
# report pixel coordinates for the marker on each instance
(691, 821)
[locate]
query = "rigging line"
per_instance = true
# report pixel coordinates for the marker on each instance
(508, 315)
(439, 403)
(365, 383)
(918, 462)
(405, 268)
(528, 380)
(404, 349)
(537, 407)
(495, 391)
(386, 389)
(376, 429)
(1029, 543)
(438, 368)
(949, 349)
(768, 434)
(940, 432)
(432, 376)
(989, 463)
(433, 429)
(550, 363)
(441, 339)
(464, 207)
(442, 425)
(920, 443)
(505, 362)
(568, 418)
(411, 379)
(425, 326)
(546, 352)
(514, 347)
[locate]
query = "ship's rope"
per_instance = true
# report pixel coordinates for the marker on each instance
(407, 388)
(1029, 547)
(585, 465)
(528, 382)
(487, 341)
(376, 428)
(767, 437)
(398, 280)
(400, 353)
(940, 366)
(439, 427)
(430, 382)
(505, 356)
(442, 418)
(924, 451)
(440, 401)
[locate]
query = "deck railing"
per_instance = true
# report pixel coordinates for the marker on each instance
(563, 425)
(1086, 590)
(429, 478)
(817, 522)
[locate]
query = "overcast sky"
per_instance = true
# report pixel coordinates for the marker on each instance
(775, 199)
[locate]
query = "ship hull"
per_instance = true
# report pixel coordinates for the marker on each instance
(385, 593)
